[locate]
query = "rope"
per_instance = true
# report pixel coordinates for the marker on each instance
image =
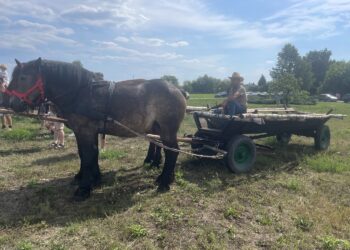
(159, 144)
(219, 156)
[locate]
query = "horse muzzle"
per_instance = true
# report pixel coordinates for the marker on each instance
(15, 104)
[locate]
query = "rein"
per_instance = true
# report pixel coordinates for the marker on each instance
(38, 86)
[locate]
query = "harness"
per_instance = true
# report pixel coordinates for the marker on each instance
(88, 110)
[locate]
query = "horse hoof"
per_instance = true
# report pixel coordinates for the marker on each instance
(155, 164)
(97, 182)
(163, 188)
(81, 194)
(76, 179)
(158, 181)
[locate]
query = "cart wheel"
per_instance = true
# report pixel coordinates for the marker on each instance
(283, 139)
(322, 138)
(197, 148)
(241, 153)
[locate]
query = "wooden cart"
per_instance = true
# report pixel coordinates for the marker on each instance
(235, 135)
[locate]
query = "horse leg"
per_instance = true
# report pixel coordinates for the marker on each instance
(150, 153)
(95, 168)
(78, 176)
(154, 154)
(157, 160)
(167, 176)
(89, 170)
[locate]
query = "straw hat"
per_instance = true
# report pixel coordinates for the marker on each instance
(3, 66)
(236, 75)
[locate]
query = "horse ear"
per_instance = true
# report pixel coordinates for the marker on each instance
(19, 64)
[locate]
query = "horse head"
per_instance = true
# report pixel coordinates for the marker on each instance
(26, 87)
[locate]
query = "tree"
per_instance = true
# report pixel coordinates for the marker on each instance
(171, 79)
(187, 86)
(337, 79)
(203, 84)
(262, 83)
(287, 62)
(304, 75)
(290, 62)
(286, 86)
(320, 62)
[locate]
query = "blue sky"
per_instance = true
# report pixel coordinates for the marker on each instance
(186, 38)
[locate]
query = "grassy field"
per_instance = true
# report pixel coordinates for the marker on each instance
(296, 197)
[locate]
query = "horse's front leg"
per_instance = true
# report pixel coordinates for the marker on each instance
(89, 174)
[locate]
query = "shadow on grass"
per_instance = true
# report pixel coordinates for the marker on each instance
(282, 159)
(52, 201)
(8, 152)
(54, 159)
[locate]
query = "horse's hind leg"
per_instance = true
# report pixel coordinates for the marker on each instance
(157, 160)
(150, 153)
(154, 154)
(167, 176)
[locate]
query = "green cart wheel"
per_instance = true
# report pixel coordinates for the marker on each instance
(283, 139)
(241, 154)
(322, 138)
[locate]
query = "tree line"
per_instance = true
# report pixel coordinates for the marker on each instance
(293, 75)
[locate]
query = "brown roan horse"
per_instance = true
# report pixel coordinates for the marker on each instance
(153, 106)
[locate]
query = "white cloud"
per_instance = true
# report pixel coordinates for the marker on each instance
(153, 42)
(122, 39)
(30, 35)
(314, 18)
(36, 9)
(157, 42)
(133, 53)
(44, 27)
(114, 13)
(178, 44)
(4, 20)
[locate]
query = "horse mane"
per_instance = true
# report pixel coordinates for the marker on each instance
(66, 72)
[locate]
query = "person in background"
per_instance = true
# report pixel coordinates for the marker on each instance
(6, 119)
(236, 102)
(57, 128)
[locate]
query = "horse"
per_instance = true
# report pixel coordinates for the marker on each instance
(90, 106)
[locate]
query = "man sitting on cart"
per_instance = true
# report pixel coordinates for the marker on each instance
(236, 102)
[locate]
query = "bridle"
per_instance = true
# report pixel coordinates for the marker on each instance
(37, 87)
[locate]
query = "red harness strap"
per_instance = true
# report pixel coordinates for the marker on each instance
(38, 86)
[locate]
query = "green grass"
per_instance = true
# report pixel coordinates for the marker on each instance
(295, 198)
(137, 231)
(327, 162)
(332, 243)
(111, 155)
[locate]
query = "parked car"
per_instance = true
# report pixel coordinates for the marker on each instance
(221, 94)
(346, 97)
(327, 98)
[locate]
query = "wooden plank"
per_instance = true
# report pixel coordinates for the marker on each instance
(179, 139)
(34, 115)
